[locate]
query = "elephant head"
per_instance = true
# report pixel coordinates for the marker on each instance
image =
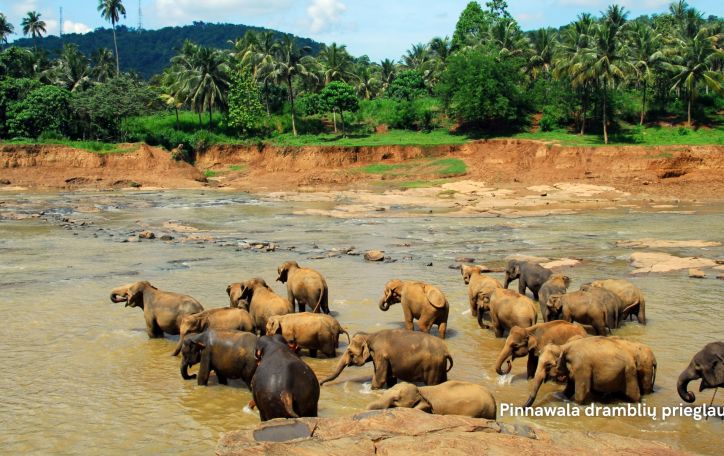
(358, 353)
(518, 344)
(235, 299)
(247, 289)
(560, 280)
(512, 272)
(548, 368)
(468, 271)
(274, 325)
(131, 294)
(554, 306)
(401, 395)
(189, 324)
(283, 270)
(392, 294)
(191, 354)
(707, 365)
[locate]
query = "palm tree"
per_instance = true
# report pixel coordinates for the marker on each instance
(543, 43)
(111, 10)
(6, 28)
(71, 70)
(102, 62)
(367, 84)
(645, 53)
(33, 26)
(694, 62)
(417, 57)
(256, 51)
(507, 36)
(388, 71)
(603, 61)
(290, 62)
(209, 81)
(336, 63)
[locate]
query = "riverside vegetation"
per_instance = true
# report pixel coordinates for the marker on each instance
(608, 79)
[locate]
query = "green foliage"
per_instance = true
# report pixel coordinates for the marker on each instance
(11, 91)
(420, 114)
(473, 22)
(408, 85)
(16, 62)
(245, 109)
(393, 137)
(44, 109)
(478, 88)
(311, 104)
(340, 96)
(627, 135)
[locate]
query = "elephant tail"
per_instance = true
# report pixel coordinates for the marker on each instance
(322, 298)
(344, 331)
(449, 358)
(288, 401)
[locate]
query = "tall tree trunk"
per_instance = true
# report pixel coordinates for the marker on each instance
(211, 119)
(605, 130)
(583, 114)
(334, 119)
(643, 105)
(200, 124)
(115, 45)
(341, 116)
(176, 108)
(688, 111)
(266, 97)
(291, 99)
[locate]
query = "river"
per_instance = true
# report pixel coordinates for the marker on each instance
(82, 377)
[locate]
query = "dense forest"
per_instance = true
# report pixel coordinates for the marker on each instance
(597, 74)
(148, 52)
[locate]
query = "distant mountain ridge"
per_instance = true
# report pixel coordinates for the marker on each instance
(148, 52)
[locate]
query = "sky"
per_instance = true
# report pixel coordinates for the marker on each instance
(378, 28)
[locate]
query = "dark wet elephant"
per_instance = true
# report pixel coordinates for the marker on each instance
(283, 386)
(707, 365)
(530, 275)
(228, 353)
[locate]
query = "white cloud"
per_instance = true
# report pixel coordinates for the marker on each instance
(639, 4)
(324, 13)
(75, 27)
(174, 12)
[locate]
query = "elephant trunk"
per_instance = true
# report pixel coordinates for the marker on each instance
(119, 295)
(688, 375)
(185, 370)
(539, 379)
(343, 362)
(378, 405)
(384, 305)
(505, 355)
(508, 279)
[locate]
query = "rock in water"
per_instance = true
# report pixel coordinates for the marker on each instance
(374, 255)
(147, 235)
(696, 273)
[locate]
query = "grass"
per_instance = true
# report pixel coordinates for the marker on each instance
(423, 183)
(98, 147)
(443, 167)
(237, 168)
(391, 138)
(634, 135)
(210, 173)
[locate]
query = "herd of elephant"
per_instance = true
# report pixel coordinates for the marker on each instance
(225, 341)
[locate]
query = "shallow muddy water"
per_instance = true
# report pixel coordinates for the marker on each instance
(81, 376)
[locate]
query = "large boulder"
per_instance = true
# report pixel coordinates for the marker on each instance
(645, 262)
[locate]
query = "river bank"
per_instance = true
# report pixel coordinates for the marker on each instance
(494, 177)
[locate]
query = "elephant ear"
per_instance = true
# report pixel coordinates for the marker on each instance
(435, 297)
(422, 404)
(713, 374)
(567, 281)
(532, 343)
(365, 351)
(273, 326)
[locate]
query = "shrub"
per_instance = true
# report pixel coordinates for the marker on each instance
(46, 108)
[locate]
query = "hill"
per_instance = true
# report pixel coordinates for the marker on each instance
(147, 52)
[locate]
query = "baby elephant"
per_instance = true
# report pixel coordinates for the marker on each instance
(450, 398)
(313, 331)
(228, 353)
(223, 319)
(305, 286)
(420, 301)
(283, 385)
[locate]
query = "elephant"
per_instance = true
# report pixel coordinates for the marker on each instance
(595, 306)
(313, 331)
(228, 353)
(707, 365)
(305, 286)
(260, 300)
(223, 319)
(588, 365)
(283, 386)
(530, 275)
(163, 310)
(507, 309)
(450, 398)
(531, 341)
(632, 299)
(478, 285)
(420, 301)
(556, 284)
(397, 354)
(645, 363)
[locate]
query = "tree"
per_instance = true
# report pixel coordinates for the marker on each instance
(44, 110)
(336, 63)
(543, 44)
(102, 63)
(16, 62)
(339, 96)
(645, 54)
(257, 51)
(408, 85)
(478, 87)
(209, 81)
(71, 70)
(245, 109)
(289, 63)
(6, 28)
(388, 72)
(13, 90)
(366, 81)
(33, 26)
(473, 23)
(111, 10)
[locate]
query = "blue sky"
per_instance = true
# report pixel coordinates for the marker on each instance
(378, 28)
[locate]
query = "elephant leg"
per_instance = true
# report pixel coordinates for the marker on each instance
(222, 380)
(153, 330)
(480, 320)
(204, 368)
(570, 389)
(521, 285)
(600, 328)
(313, 352)
(496, 325)
(442, 329)
(532, 365)
(381, 371)
(473, 299)
(633, 391)
(583, 385)
(301, 305)
(424, 325)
